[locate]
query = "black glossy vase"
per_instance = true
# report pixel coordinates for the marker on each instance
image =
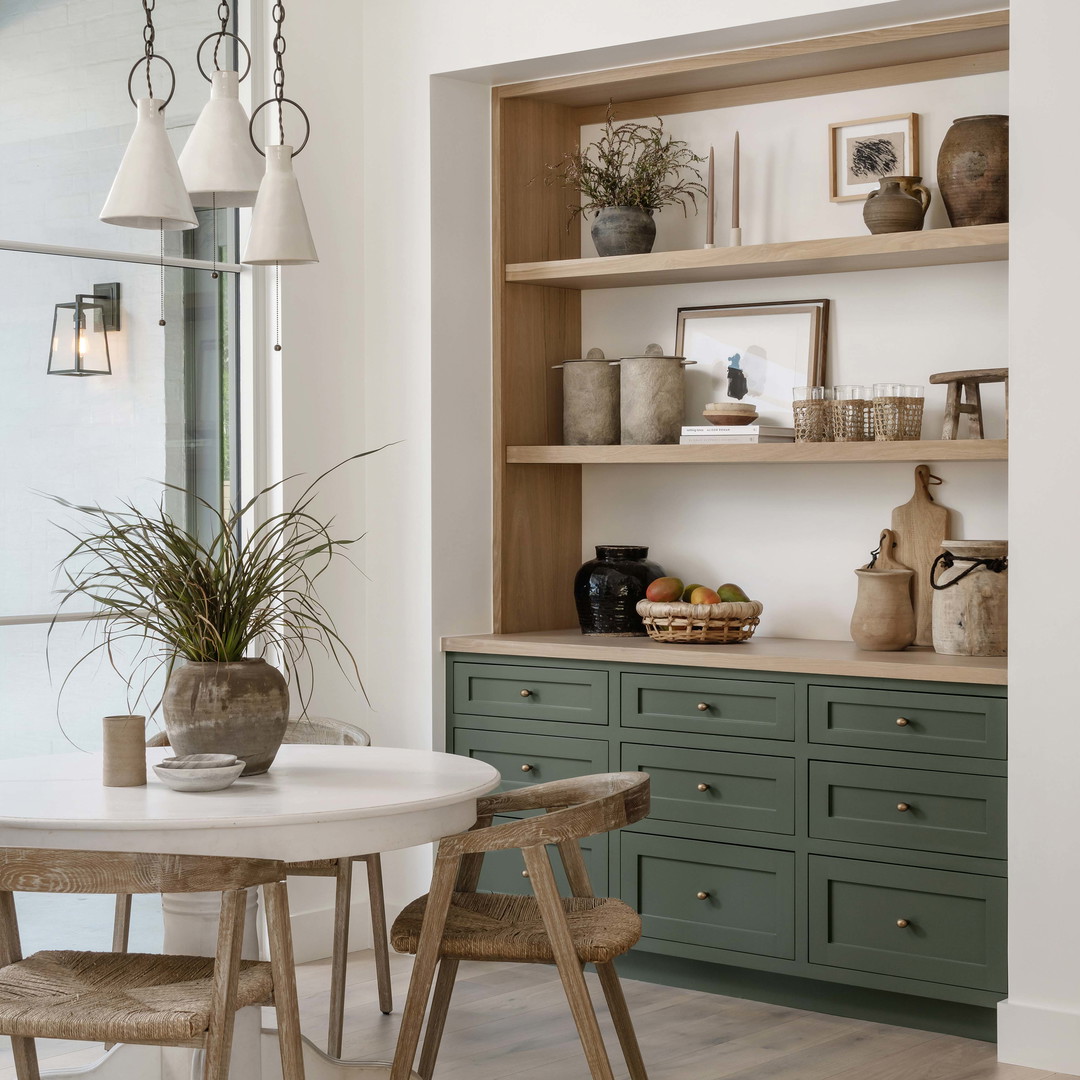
(607, 589)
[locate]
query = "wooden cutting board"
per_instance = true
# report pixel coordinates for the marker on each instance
(920, 526)
(887, 559)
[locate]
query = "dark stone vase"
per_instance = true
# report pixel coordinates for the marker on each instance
(607, 589)
(899, 205)
(239, 708)
(623, 230)
(973, 170)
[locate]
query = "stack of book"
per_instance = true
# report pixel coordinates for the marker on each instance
(730, 435)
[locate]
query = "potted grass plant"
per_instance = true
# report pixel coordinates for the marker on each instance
(208, 605)
(630, 172)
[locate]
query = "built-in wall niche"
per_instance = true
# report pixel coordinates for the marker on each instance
(921, 303)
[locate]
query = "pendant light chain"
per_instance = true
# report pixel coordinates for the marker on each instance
(148, 42)
(225, 15)
(279, 67)
(161, 264)
(277, 307)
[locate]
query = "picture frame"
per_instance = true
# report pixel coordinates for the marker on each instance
(863, 151)
(752, 353)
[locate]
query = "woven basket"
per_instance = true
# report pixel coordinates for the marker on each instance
(700, 624)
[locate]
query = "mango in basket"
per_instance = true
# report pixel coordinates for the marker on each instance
(702, 595)
(664, 590)
(732, 594)
(688, 591)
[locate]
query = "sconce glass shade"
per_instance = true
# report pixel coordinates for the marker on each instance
(149, 192)
(279, 225)
(219, 165)
(80, 342)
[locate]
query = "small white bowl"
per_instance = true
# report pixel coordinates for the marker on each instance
(211, 779)
(198, 761)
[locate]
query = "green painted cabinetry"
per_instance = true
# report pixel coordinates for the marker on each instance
(838, 829)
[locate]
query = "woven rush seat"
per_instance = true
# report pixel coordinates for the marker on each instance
(494, 926)
(118, 997)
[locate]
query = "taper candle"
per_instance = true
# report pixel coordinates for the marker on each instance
(735, 185)
(710, 202)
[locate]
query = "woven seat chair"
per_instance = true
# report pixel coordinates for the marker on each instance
(324, 731)
(454, 922)
(143, 997)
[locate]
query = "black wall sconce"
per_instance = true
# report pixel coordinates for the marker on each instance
(80, 337)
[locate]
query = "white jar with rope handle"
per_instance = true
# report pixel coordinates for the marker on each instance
(970, 580)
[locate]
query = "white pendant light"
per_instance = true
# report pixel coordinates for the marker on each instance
(279, 226)
(149, 192)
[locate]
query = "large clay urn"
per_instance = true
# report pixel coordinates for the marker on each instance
(899, 205)
(973, 170)
(884, 618)
(239, 708)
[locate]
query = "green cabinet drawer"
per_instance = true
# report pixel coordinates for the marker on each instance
(742, 791)
(532, 759)
(908, 808)
(531, 693)
(933, 925)
(908, 720)
(504, 871)
(757, 710)
(748, 901)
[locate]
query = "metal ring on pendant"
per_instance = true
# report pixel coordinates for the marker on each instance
(145, 60)
(219, 34)
(282, 101)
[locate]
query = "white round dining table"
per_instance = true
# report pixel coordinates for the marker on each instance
(316, 802)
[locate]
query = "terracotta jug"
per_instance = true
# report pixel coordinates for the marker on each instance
(899, 205)
(973, 170)
(883, 619)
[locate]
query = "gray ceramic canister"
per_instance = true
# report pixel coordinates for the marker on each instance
(590, 401)
(652, 394)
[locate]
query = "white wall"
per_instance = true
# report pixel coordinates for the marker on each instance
(1039, 1025)
(427, 510)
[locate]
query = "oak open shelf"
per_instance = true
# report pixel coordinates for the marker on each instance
(891, 251)
(928, 450)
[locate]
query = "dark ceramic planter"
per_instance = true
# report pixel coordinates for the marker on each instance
(623, 230)
(607, 589)
(239, 708)
(973, 170)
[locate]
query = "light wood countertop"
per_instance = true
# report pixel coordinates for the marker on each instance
(803, 656)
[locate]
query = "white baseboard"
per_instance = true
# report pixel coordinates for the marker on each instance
(1038, 1037)
(313, 929)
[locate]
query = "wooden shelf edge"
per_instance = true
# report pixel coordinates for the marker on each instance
(936, 247)
(928, 450)
(793, 655)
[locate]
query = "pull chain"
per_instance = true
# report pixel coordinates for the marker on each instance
(277, 307)
(161, 264)
(213, 211)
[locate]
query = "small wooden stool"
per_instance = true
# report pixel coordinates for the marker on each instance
(967, 383)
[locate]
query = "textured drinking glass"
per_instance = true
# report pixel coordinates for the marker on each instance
(898, 409)
(851, 414)
(811, 411)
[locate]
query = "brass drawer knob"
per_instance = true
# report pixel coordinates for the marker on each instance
(526, 767)
(526, 693)
(703, 706)
(902, 721)
(524, 873)
(903, 807)
(703, 896)
(703, 787)
(902, 923)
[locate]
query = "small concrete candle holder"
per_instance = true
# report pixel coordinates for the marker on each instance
(125, 751)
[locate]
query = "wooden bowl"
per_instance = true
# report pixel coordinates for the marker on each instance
(730, 413)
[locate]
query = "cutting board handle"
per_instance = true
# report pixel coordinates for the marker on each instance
(923, 479)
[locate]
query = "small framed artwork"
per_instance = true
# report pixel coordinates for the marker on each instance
(861, 152)
(752, 353)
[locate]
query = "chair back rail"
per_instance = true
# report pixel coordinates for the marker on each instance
(42, 870)
(576, 809)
